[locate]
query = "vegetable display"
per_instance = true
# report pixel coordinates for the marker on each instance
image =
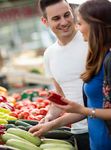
(24, 110)
(23, 140)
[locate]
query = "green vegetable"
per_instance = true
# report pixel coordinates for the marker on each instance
(56, 145)
(11, 121)
(5, 147)
(21, 127)
(21, 123)
(58, 134)
(54, 141)
(5, 137)
(25, 135)
(31, 122)
(22, 145)
(10, 126)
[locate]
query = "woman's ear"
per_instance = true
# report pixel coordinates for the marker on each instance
(44, 21)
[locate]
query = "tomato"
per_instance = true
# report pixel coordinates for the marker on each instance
(39, 117)
(35, 112)
(39, 100)
(41, 105)
(17, 96)
(23, 115)
(47, 102)
(43, 93)
(18, 105)
(34, 104)
(26, 114)
(26, 102)
(31, 117)
(43, 111)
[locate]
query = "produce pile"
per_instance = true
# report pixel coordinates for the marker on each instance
(21, 111)
(23, 140)
(5, 111)
(21, 106)
(30, 105)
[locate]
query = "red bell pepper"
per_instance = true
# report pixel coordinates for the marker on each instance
(56, 98)
(3, 99)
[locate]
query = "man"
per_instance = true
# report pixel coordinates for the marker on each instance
(65, 61)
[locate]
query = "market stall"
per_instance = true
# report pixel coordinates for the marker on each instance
(21, 111)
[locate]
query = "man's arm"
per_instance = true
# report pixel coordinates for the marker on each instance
(58, 88)
(53, 112)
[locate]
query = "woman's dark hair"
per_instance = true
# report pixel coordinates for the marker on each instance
(43, 4)
(97, 14)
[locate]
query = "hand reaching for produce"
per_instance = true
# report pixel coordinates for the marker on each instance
(40, 129)
(47, 118)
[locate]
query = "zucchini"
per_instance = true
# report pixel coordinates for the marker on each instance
(61, 148)
(21, 127)
(7, 136)
(27, 128)
(54, 141)
(25, 135)
(5, 147)
(7, 126)
(56, 145)
(22, 145)
(58, 134)
(21, 123)
(31, 122)
(64, 128)
(11, 121)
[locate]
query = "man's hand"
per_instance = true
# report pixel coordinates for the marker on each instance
(47, 118)
(53, 113)
(40, 129)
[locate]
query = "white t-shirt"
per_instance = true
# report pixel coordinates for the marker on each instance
(65, 64)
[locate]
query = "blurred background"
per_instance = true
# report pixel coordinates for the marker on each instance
(23, 39)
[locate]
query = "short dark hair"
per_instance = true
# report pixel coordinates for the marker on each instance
(45, 3)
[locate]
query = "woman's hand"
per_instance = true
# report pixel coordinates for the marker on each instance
(71, 107)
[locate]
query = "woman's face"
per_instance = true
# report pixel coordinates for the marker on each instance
(83, 26)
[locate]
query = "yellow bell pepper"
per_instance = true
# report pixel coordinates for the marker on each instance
(3, 121)
(4, 110)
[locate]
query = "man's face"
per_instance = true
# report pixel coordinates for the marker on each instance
(60, 19)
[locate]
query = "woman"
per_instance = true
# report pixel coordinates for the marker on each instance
(94, 23)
